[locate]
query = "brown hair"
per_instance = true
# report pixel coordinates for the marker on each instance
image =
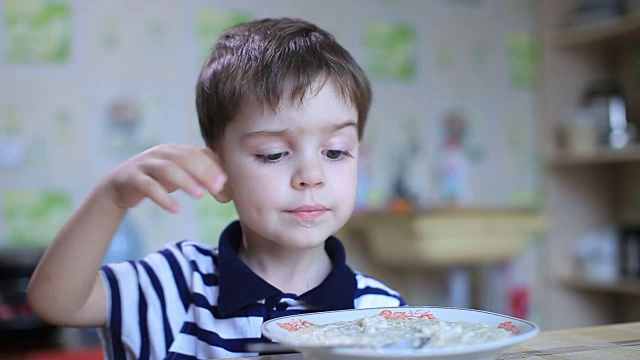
(269, 61)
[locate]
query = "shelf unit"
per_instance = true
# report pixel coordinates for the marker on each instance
(598, 33)
(604, 156)
(620, 286)
(585, 192)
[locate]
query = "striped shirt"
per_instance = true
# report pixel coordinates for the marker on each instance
(193, 301)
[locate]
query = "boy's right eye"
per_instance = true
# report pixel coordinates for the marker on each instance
(271, 158)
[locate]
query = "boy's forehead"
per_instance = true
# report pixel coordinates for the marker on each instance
(292, 100)
(323, 108)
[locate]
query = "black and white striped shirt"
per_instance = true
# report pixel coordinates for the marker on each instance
(193, 301)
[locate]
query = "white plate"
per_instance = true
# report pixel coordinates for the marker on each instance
(280, 330)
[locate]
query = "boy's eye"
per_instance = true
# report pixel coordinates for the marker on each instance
(269, 158)
(335, 154)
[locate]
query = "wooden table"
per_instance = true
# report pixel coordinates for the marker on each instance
(608, 342)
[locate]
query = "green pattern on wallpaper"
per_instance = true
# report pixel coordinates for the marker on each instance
(37, 32)
(391, 50)
(32, 217)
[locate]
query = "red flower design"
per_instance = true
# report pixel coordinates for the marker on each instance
(399, 315)
(509, 327)
(295, 324)
(413, 314)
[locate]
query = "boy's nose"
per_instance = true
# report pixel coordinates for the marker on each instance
(308, 175)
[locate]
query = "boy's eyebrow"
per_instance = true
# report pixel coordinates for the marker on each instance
(276, 133)
(340, 126)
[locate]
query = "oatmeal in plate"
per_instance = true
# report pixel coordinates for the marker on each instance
(377, 330)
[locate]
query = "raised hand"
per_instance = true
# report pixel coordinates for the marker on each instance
(163, 169)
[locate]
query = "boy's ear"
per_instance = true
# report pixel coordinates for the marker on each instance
(223, 196)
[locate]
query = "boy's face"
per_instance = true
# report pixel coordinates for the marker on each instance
(293, 174)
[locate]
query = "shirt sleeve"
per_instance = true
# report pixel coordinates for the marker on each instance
(372, 293)
(146, 299)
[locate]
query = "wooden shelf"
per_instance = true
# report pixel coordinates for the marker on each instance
(449, 237)
(621, 286)
(596, 33)
(604, 156)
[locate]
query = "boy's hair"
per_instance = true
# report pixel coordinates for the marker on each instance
(270, 61)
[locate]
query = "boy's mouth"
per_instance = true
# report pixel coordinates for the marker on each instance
(308, 212)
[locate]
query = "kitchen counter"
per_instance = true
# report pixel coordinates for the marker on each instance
(617, 341)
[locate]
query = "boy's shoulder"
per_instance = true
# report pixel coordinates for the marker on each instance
(189, 251)
(193, 246)
(372, 292)
(364, 281)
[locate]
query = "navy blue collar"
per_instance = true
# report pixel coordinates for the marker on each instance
(239, 286)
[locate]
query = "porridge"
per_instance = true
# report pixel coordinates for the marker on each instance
(378, 330)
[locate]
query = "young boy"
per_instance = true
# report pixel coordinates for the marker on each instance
(282, 107)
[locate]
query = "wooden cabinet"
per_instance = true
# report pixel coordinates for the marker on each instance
(587, 190)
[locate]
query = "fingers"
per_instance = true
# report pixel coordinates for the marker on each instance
(188, 168)
(172, 177)
(202, 164)
(161, 170)
(153, 190)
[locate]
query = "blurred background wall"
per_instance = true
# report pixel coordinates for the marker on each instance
(86, 85)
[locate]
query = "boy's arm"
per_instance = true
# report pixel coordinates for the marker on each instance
(66, 288)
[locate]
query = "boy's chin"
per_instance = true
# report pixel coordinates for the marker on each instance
(309, 235)
(328, 228)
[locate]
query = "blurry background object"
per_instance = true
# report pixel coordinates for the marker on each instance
(606, 104)
(595, 11)
(598, 254)
(580, 134)
(16, 318)
(630, 252)
(126, 244)
(454, 181)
